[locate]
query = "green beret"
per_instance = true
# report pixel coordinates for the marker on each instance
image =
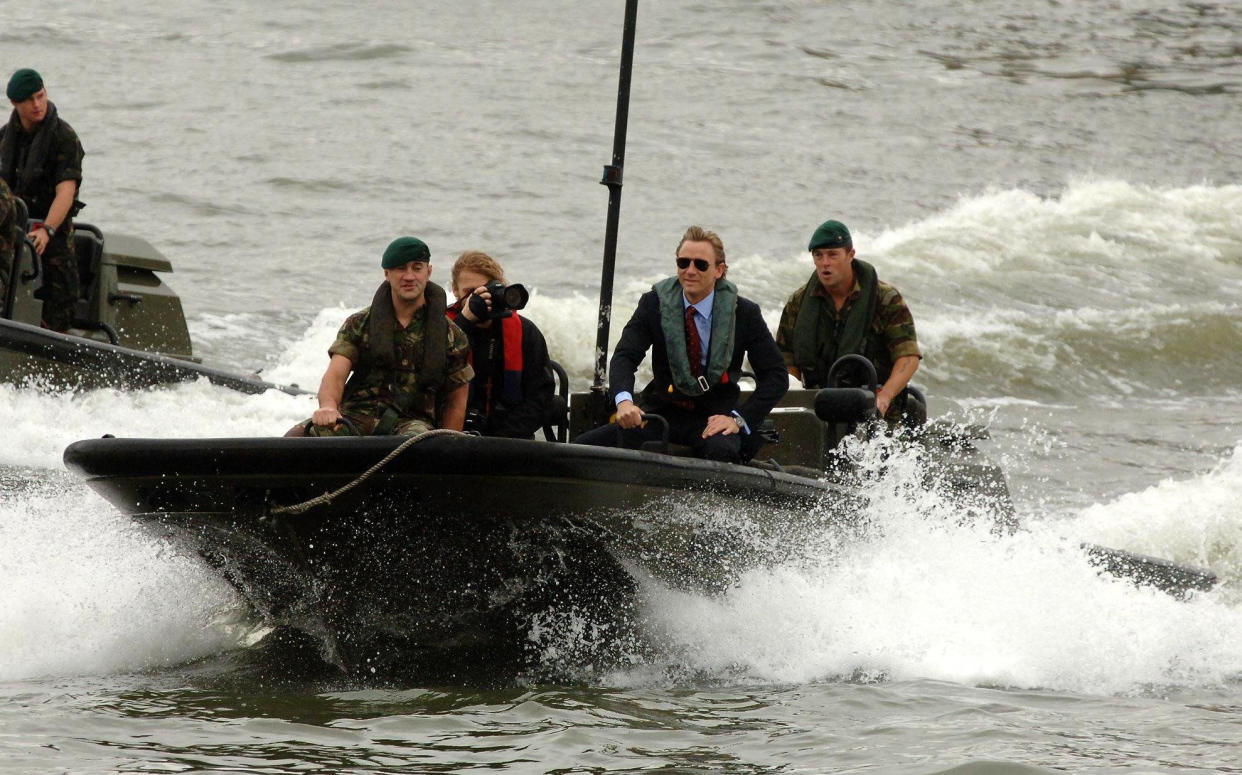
(403, 250)
(24, 83)
(831, 234)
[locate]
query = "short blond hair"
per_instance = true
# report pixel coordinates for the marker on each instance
(699, 234)
(477, 261)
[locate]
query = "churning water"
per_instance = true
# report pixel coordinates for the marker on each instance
(1051, 186)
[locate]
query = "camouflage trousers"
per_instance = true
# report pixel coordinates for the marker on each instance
(6, 265)
(60, 283)
(365, 425)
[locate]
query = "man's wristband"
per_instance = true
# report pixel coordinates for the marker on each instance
(50, 231)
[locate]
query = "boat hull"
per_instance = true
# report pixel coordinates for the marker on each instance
(458, 549)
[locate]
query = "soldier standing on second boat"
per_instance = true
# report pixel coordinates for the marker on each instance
(41, 160)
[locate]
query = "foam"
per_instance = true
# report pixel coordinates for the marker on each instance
(926, 597)
(86, 592)
(38, 426)
(1197, 520)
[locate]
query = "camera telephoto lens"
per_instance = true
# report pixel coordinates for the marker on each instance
(516, 296)
(506, 299)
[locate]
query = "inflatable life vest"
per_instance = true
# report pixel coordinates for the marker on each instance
(379, 357)
(818, 341)
(720, 347)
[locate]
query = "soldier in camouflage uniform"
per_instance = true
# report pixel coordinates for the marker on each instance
(844, 308)
(410, 364)
(8, 239)
(41, 160)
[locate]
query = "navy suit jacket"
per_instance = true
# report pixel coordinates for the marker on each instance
(751, 339)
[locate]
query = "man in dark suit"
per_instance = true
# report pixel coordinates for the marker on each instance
(699, 331)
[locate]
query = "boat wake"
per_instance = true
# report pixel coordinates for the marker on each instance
(39, 425)
(926, 594)
(1196, 521)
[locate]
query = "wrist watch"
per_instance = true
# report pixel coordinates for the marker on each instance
(50, 231)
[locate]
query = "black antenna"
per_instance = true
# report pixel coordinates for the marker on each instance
(613, 174)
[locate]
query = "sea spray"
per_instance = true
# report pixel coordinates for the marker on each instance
(1195, 520)
(304, 360)
(1109, 289)
(87, 592)
(925, 594)
(39, 424)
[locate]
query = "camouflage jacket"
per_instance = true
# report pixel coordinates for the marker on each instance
(892, 324)
(9, 236)
(371, 393)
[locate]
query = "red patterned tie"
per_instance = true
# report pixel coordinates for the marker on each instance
(694, 345)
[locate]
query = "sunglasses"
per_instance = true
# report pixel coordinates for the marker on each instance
(701, 264)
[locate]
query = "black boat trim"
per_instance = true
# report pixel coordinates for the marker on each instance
(123, 366)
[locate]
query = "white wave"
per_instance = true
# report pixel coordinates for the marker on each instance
(1108, 230)
(569, 324)
(1025, 612)
(1002, 324)
(38, 425)
(1196, 520)
(304, 360)
(1108, 244)
(85, 592)
(926, 597)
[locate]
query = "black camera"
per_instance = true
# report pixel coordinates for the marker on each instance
(506, 299)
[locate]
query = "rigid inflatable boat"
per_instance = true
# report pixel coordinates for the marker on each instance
(129, 329)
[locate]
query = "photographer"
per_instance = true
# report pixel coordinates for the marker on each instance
(511, 393)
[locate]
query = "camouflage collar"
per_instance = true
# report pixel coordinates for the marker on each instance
(821, 291)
